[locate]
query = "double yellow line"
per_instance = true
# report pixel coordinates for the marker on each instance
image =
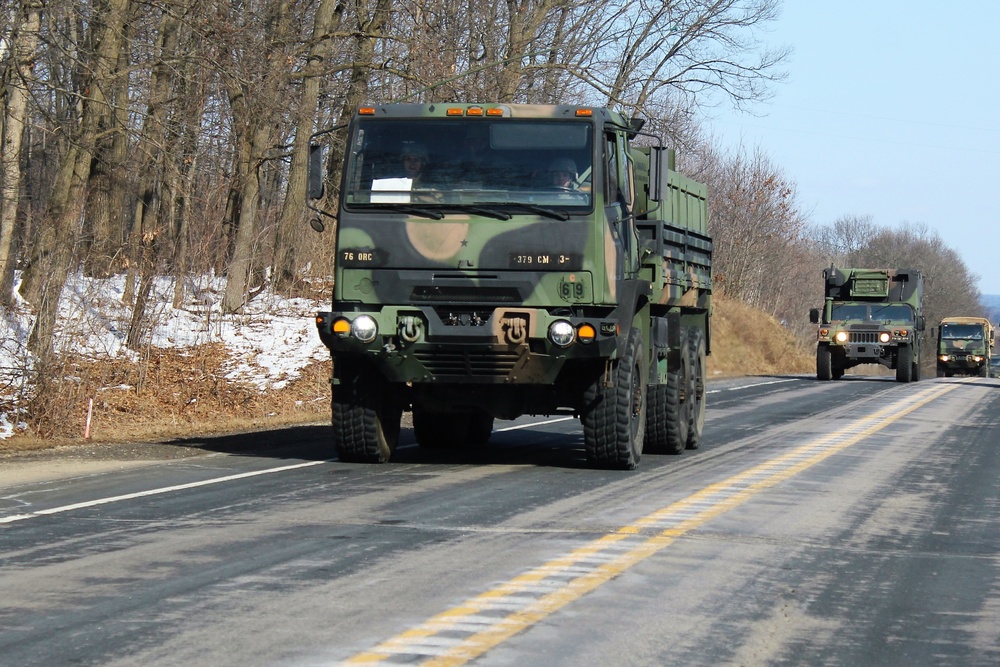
(487, 620)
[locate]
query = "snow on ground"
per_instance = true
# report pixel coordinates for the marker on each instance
(268, 344)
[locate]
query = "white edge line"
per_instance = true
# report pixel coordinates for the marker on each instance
(155, 492)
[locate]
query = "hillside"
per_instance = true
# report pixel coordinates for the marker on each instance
(183, 386)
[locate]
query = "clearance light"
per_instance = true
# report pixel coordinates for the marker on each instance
(586, 333)
(584, 113)
(561, 333)
(494, 112)
(841, 336)
(366, 111)
(454, 112)
(474, 111)
(341, 327)
(884, 337)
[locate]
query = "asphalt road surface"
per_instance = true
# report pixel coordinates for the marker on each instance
(821, 523)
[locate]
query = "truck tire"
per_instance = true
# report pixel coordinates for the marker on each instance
(680, 392)
(656, 440)
(904, 364)
(365, 419)
(614, 418)
(824, 362)
(440, 430)
(480, 427)
(696, 349)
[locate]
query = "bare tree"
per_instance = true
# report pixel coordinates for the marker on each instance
(18, 68)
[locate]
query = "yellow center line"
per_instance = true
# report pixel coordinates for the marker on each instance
(541, 591)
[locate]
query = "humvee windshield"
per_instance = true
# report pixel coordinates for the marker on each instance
(499, 166)
(962, 332)
(896, 312)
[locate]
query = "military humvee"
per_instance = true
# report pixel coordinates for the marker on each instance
(870, 316)
(503, 260)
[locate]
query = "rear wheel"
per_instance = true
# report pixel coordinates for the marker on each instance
(680, 403)
(365, 418)
(614, 418)
(696, 349)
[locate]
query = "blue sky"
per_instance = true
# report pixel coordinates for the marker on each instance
(891, 109)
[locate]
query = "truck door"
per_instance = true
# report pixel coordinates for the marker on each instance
(618, 201)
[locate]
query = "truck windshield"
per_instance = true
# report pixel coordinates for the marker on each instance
(896, 312)
(962, 332)
(454, 164)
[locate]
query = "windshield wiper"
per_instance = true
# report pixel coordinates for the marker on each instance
(541, 210)
(488, 212)
(433, 213)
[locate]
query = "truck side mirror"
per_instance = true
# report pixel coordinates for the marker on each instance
(315, 180)
(921, 323)
(814, 315)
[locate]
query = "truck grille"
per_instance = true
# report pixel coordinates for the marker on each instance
(863, 336)
(464, 294)
(468, 364)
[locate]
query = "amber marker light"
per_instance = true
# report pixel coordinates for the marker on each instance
(474, 111)
(586, 333)
(824, 332)
(454, 112)
(494, 112)
(341, 327)
(366, 111)
(585, 113)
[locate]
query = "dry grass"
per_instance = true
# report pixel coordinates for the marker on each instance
(176, 393)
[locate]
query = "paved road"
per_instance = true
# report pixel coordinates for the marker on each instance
(838, 523)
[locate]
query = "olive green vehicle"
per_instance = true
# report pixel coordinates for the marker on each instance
(964, 346)
(503, 260)
(870, 316)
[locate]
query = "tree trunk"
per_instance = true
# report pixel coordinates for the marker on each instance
(15, 84)
(284, 262)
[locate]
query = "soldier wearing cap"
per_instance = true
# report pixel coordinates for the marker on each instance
(562, 173)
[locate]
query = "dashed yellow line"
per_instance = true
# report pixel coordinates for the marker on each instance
(490, 618)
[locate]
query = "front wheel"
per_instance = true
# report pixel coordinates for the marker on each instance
(824, 362)
(614, 417)
(365, 415)
(904, 364)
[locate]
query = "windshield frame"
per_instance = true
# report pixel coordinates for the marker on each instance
(496, 165)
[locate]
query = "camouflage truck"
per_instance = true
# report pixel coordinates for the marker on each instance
(540, 261)
(964, 346)
(870, 316)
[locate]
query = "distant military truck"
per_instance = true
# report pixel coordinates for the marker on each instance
(870, 316)
(964, 346)
(503, 260)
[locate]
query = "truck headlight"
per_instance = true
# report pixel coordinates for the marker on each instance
(364, 328)
(978, 359)
(561, 333)
(841, 337)
(884, 337)
(945, 358)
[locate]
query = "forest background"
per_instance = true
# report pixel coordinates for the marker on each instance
(165, 140)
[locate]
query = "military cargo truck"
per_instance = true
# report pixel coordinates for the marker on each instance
(870, 316)
(503, 260)
(964, 346)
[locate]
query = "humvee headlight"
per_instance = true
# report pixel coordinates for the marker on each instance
(978, 359)
(562, 333)
(944, 357)
(341, 327)
(586, 333)
(841, 337)
(364, 328)
(884, 337)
